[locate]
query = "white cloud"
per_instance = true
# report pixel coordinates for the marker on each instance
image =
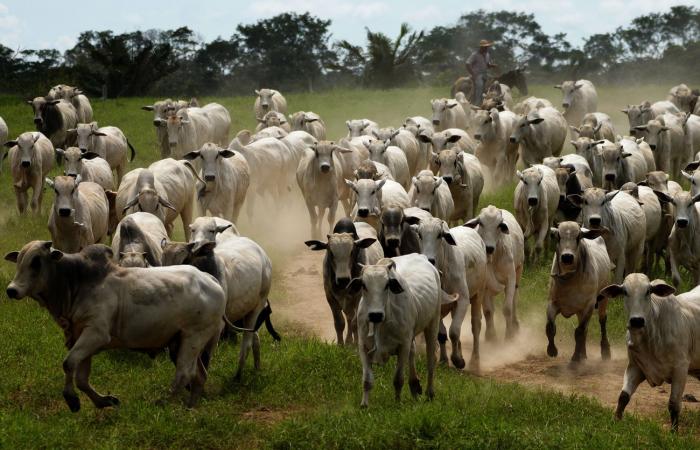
(416, 17)
(10, 28)
(322, 8)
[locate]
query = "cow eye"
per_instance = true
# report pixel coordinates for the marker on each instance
(36, 263)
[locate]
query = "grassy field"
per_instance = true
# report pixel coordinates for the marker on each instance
(308, 392)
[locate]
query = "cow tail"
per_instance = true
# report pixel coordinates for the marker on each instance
(133, 150)
(264, 316)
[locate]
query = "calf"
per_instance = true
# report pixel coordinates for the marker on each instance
(309, 122)
(409, 145)
(374, 196)
(662, 338)
(396, 235)
(504, 243)
(535, 201)
(226, 178)
(349, 247)
(392, 157)
(620, 213)
(431, 193)
(79, 215)
(400, 299)
(580, 269)
(31, 160)
(101, 306)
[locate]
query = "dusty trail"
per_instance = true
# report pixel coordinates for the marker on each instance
(523, 361)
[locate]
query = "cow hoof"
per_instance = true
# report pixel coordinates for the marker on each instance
(363, 405)
(415, 387)
(690, 398)
(430, 394)
(73, 402)
(107, 401)
(458, 362)
(474, 366)
(490, 336)
(443, 361)
(605, 352)
(552, 350)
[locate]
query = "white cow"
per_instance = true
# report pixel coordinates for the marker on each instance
(580, 269)
(400, 299)
(108, 142)
(89, 165)
(463, 174)
(269, 100)
(392, 157)
(580, 98)
(448, 113)
(662, 338)
(535, 201)
(495, 150)
(137, 241)
(540, 134)
(79, 215)
(432, 194)
(31, 160)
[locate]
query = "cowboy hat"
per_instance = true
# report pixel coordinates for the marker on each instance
(485, 43)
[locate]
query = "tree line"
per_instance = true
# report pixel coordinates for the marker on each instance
(294, 52)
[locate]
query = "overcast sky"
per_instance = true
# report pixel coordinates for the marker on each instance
(26, 24)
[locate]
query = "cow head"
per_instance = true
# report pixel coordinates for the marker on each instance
(357, 127)
(369, 195)
(450, 166)
(593, 203)
(637, 291)
(612, 155)
(653, 133)
(66, 198)
(212, 156)
(174, 123)
(440, 108)
(531, 179)
(39, 105)
(205, 229)
(570, 254)
(684, 207)
(342, 249)
(392, 221)
(86, 133)
(487, 122)
(324, 155)
(34, 266)
(25, 148)
(569, 89)
(524, 127)
(73, 160)
(432, 232)
(425, 186)
(265, 97)
(490, 226)
(378, 283)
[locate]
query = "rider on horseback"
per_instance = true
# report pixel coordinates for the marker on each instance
(477, 65)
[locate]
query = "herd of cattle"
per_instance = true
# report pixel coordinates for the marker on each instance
(393, 267)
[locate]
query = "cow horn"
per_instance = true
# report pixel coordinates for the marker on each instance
(163, 202)
(131, 203)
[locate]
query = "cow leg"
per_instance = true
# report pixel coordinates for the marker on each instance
(188, 367)
(620, 269)
(488, 316)
(442, 341)
(429, 335)
(247, 342)
(401, 359)
(21, 200)
(458, 315)
(331, 215)
(678, 380)
(256, 351)
(90, 342)
(476, 332)
(580, 335)
(413, 381)
(313, 217)
(36, 199)
(186, 218)
(367, 375)
(509, 306)
(551, 329)
(82, 377)
(338, 322)
(602, 320)
(675, 274)
(540, 242)
(633, 377)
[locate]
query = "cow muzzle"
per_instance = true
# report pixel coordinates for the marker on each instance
(209, 177)
(325, 168)
(12, 292)
(565, 105)
(38, 120)
(595, 221)
(393, 242)
(72, 174)
(636, 322)
(64, 212)
(567, 258)
(652, 146)
(431, 261)
(490, 249)
(26, 164)
(477, 137)
(436, 122)
(532, 201)
(513, 140)
(376, 317)
(363, 212)
(172, 144)
(342, 282)
(609, 177)
(447, 179)
(681, 222)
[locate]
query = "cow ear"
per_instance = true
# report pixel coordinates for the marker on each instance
(191, 156)
(536, 121)
(355, 285)
(454, 138)
(554, 232)
(593, 234)
(222, 228)
(316, 245)
(613, 290)
(660, 288)
(57, 254)
(147, 108)
(663, 197)
(611, 195)
(395, 286)
(226, 153)
(12, 257)
(504, 228)
(472, 223)
(10, 144)
(686, 175)
(449, 238)
(366, 242)
(412, 220)
(88, 155)
(423, 138)
(205, 248)
(692, 166)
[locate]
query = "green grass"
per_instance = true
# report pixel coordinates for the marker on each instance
(308, 392)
